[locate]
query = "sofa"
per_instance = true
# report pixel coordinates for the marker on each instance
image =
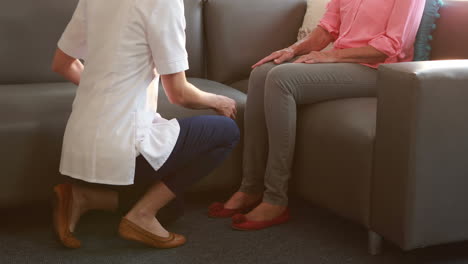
(35, 102)
(393, 162)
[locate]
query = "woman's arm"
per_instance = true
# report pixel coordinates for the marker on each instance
(70, 68)
(325, 33)
(366, 54)
(401, 31)
(402, 27)
(318, 39)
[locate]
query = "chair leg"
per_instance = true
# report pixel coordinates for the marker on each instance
(375, 243)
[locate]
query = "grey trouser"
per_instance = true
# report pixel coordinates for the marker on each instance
(275, 92)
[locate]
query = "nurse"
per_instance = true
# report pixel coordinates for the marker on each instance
(114, 127)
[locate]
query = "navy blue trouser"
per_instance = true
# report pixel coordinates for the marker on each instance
(203, 143)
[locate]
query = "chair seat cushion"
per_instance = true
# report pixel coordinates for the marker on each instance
(242, 85)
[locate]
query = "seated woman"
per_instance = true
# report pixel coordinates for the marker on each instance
(114, 117)
(365, 33)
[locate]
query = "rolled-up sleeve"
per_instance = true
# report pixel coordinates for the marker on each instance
(166, 37)
(331, 20)
(401, 29)
(74, 41)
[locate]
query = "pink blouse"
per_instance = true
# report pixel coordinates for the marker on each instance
(390, 26)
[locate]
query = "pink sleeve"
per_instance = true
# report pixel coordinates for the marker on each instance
(402, 27)
(331, 19)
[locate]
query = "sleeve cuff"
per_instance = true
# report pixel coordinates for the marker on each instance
(171, 67)
(68, 48)
(329, 28)
(385, 45)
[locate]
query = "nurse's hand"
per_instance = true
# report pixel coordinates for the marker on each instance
(225, 106)
(277, 57)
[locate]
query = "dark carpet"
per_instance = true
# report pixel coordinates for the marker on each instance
(313, 236)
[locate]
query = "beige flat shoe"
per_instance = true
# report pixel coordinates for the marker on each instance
(131, 231)
(61, 215)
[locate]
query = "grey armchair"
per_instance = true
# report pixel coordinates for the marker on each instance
(398, 163)
(419, 189)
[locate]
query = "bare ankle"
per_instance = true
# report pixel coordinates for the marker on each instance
(249, 196)
(242, 199)
(139, 215)
(256, 195)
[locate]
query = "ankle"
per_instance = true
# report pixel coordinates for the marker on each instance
(138, 215)
(250, 196)
(269, 207)
(242, 199)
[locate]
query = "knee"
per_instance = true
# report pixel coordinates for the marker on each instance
(234, 135)
(280, 79)
(230, 132)
(262, 71)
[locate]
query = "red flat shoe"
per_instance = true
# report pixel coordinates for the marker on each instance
(61, 216)
(217, 210)
(240, 222)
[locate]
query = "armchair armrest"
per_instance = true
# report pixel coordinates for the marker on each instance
(420, 184)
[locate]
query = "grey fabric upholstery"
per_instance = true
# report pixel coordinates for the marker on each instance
(33, 119)
(241, 32)
(333, 158)
(420, 180)
(450, 38)
(242, 85)
(32, 29)
(195, 38)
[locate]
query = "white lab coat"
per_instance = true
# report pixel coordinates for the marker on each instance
(114, 116)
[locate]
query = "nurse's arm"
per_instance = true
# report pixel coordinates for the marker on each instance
(70, 68)
(179, 91)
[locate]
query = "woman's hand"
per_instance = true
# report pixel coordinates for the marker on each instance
(367, 54)
(318, 57)
(277, 57)
(225, 106)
